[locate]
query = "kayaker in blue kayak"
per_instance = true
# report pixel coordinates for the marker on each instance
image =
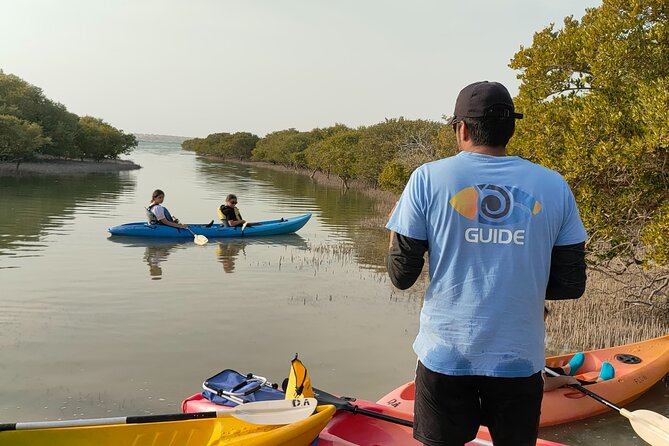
(158, 214)
(229, 214)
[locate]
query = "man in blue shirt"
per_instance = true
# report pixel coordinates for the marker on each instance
(502, 235)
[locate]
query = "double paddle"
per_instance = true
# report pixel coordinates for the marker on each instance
(259, 412)
(651, 426)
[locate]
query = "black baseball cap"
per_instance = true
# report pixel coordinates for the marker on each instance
(484, 100)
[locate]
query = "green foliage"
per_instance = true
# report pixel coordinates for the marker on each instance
(394, 176)
(348, 153)
(241, 144)
(595, 96)
(406, 142)
(283, 147)
(27, 102)
(315, 155)
(19, 139)
(656, 236)
(98, 140)
(237, 145)
(61, 128)
(339, 153)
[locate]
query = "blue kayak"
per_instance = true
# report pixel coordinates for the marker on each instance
(270, 227)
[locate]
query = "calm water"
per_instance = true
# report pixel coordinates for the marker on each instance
(99, 326)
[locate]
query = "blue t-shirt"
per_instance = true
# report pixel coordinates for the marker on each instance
(491, 224)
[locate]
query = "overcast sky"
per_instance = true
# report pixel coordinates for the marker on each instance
(194, 67)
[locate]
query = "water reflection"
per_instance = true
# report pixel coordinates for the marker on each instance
(156, 251)
(153, 256)
(227, 251)
(36, 206)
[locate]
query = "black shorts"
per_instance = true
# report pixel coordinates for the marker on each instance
(450, 409)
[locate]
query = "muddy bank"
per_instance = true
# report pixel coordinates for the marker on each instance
(65, 167)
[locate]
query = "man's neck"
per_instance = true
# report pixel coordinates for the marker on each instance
(484, 150)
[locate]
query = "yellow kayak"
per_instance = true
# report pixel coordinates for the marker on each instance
(224, 431)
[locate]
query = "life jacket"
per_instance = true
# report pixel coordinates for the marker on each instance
(223, 217)
(151, 217)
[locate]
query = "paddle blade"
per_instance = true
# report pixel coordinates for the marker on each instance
(200, 240)
(274, 412)
(299, 383)
(650, 426)
(328, 398)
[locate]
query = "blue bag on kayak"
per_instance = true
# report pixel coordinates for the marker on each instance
(231, 388)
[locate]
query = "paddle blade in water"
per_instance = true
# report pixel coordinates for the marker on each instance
(275, 412)
(651, 426)
(197, 238)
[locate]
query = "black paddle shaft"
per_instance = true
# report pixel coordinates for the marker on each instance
(138, 419)
(342, 404)
(582, 389)
(605, 402)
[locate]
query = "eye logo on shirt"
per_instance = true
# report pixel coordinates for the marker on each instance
(494, 205)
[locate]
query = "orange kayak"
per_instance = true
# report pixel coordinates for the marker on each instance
(638, 367)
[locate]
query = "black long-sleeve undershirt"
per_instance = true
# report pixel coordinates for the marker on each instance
(567, 275)
(567, 278)
(406, 258)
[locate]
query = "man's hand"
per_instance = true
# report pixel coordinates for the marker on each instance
(392, 233)
(555, 382)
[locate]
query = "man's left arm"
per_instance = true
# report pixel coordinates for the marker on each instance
(567, 274)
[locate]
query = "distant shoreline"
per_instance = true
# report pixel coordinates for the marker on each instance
(318, 177)
(58, 167)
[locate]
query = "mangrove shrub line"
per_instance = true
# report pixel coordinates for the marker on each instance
(32, 125)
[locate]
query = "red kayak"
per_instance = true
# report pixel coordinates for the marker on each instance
(348, 429)
(638, 367)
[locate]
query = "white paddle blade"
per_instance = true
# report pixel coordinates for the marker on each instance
(200, 240)
(651, 426)
(244, 226)
(274, 412)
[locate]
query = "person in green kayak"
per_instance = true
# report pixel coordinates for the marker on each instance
(156, 213)
(229, 214)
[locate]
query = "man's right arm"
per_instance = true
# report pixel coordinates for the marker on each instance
(406, 258)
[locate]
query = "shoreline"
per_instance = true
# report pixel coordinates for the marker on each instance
(384, 196)
(57, 167)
